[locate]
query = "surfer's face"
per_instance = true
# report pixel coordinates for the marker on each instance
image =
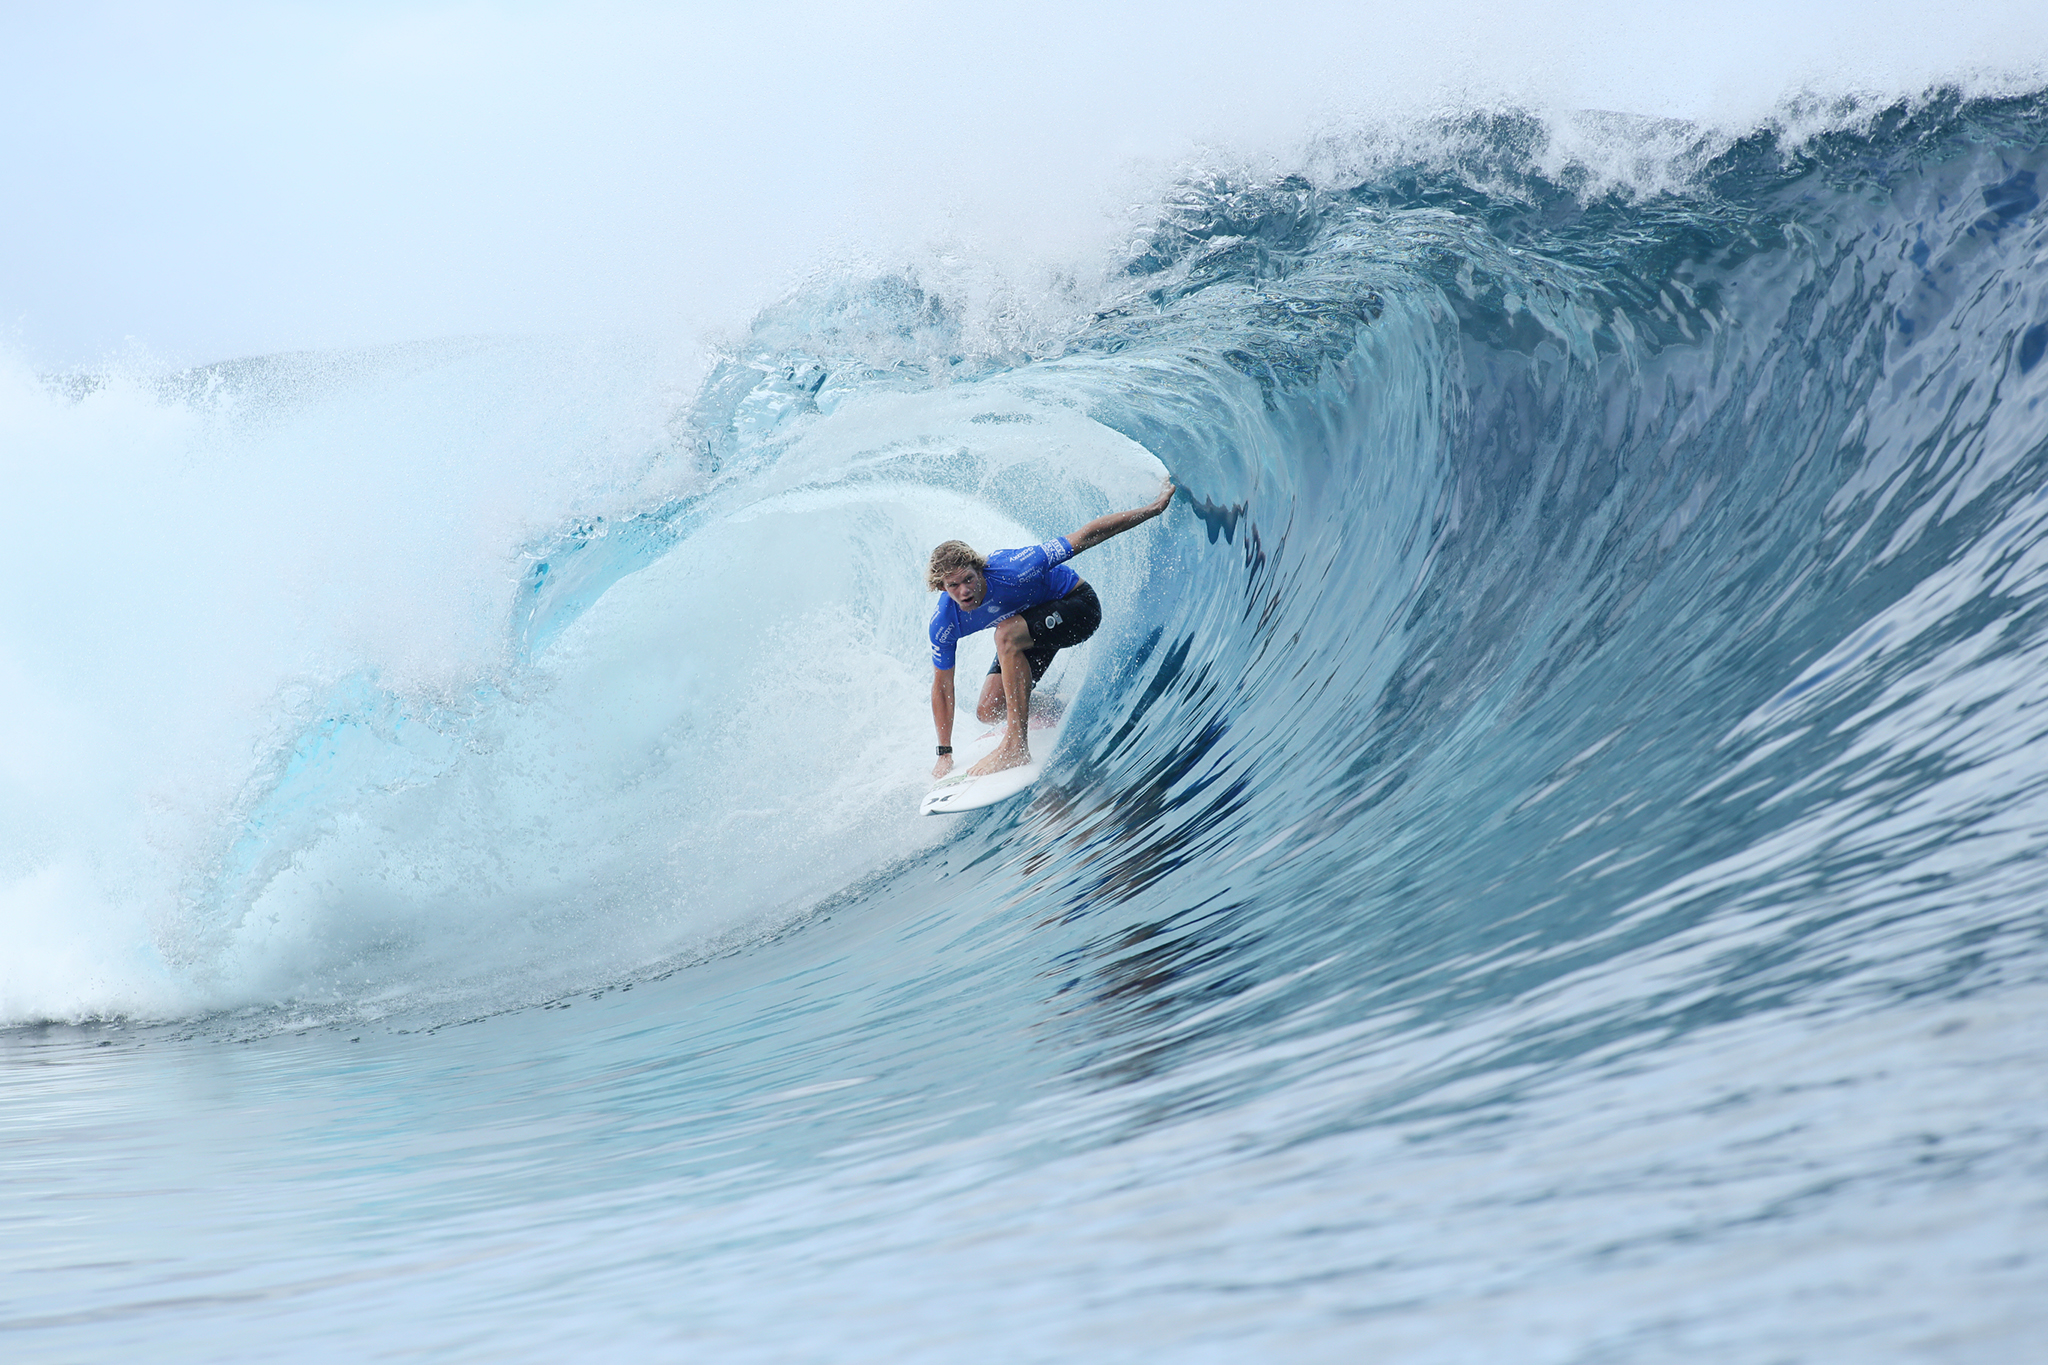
(965, 586)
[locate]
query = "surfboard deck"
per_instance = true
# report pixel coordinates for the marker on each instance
(957, 792)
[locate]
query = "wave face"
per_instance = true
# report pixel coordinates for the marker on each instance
(1547, 860)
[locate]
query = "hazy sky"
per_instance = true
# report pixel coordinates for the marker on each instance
(204, 180)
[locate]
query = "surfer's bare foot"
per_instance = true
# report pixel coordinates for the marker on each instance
(1006, 756)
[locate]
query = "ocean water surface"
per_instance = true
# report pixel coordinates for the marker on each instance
(1548, 861)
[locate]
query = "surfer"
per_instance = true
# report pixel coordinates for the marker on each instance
(1038, 607)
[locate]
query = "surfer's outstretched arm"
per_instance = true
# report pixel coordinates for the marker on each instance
(942, 717)
(1116, 523)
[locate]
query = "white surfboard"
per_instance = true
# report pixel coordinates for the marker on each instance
(957, 792)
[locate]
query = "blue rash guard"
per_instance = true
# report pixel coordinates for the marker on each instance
(1016, 579)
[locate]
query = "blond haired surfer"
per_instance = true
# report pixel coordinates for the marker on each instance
(1037, 607)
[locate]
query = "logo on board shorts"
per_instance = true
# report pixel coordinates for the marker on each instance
(1052, 619)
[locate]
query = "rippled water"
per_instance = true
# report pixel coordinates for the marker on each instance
(1547, 862)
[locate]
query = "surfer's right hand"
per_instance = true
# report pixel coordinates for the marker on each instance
(942, 767)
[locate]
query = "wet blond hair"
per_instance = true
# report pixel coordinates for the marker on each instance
(954, 554)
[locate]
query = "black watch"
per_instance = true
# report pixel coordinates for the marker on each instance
(945, 749)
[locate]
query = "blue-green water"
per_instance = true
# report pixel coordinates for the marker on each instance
(1548, 861)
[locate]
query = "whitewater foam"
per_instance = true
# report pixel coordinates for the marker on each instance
(405, 800)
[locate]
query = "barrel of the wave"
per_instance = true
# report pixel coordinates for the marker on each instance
(1037, 605)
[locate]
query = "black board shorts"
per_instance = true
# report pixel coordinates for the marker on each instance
(1055, 625)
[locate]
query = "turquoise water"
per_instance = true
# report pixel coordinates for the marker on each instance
(1547, 860)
